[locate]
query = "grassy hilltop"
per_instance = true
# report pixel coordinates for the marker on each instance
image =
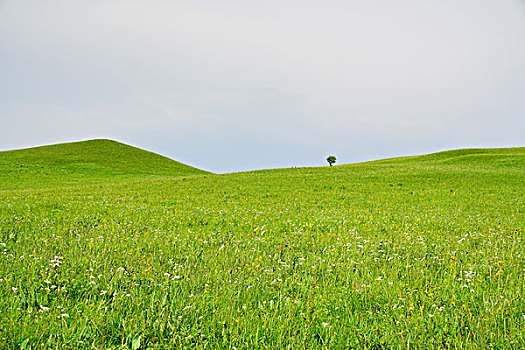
(479, 157)
(417, 252)
(85, 161)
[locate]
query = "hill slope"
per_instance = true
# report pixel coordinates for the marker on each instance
(424, 251)
(86, 160)
(470, 157)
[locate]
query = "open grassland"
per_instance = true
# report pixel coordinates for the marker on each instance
(421, 252)
(83, 163)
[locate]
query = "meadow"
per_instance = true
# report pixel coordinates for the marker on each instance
(422, 252)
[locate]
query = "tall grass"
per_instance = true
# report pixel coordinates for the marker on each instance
(372, 256)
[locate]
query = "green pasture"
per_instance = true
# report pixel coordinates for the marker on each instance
(141, 252)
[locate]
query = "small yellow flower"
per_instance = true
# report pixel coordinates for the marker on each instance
(500, 272)
(500, 263)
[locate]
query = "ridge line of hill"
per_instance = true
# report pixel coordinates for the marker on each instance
(90, 161)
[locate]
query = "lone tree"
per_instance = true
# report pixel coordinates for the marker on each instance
(330, 160)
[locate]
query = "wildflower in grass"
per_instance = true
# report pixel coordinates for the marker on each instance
(499, 273)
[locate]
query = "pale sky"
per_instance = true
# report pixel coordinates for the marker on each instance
(236, 85)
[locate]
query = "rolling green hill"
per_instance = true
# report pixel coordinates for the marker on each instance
(85, 161)
(420, 252)
(481, 157)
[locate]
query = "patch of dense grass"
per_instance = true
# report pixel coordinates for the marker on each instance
(84, 162)
(399, 254)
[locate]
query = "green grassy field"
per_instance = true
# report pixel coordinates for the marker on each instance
(418, 252)
(84, 163)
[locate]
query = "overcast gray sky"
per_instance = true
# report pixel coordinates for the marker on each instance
(233, 85)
